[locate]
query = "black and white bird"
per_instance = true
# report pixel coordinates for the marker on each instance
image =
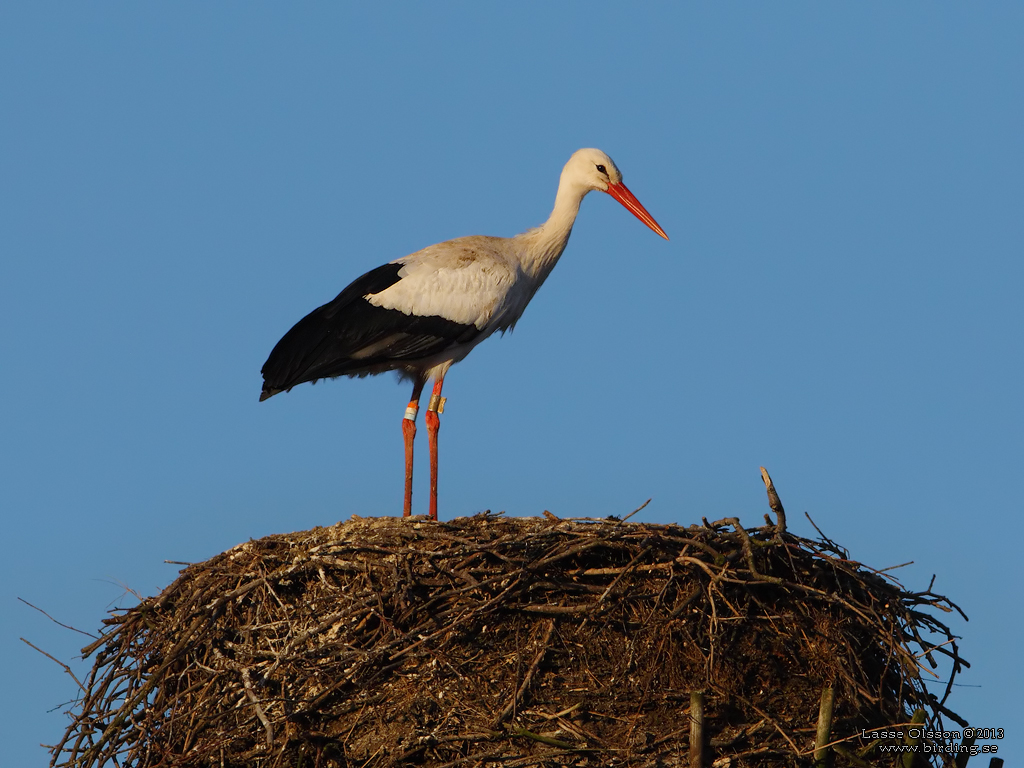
(424, 312)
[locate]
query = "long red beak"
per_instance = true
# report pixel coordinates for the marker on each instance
(624, 196)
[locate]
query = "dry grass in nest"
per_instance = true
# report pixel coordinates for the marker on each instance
(490, 641)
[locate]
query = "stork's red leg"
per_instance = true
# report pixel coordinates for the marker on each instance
(433, 423)
(409, 433)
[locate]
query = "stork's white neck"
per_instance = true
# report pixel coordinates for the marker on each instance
(544, 245)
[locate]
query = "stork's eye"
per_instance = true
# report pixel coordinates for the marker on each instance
(601, 168)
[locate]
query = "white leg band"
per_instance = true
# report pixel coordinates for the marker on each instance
(411, 411)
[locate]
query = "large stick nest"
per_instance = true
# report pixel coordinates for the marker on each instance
(490, 641)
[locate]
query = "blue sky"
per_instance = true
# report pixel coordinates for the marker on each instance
(840, 301)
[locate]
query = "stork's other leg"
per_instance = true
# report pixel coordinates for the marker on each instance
(433, 423)
(409, 433)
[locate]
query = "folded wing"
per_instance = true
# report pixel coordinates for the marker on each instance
(351, 336)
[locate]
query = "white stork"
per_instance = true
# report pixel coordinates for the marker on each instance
(424, 312)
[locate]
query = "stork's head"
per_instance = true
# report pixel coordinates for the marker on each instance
(593, 169)
(589, 169)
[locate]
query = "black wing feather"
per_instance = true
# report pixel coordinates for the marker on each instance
(322, 344)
